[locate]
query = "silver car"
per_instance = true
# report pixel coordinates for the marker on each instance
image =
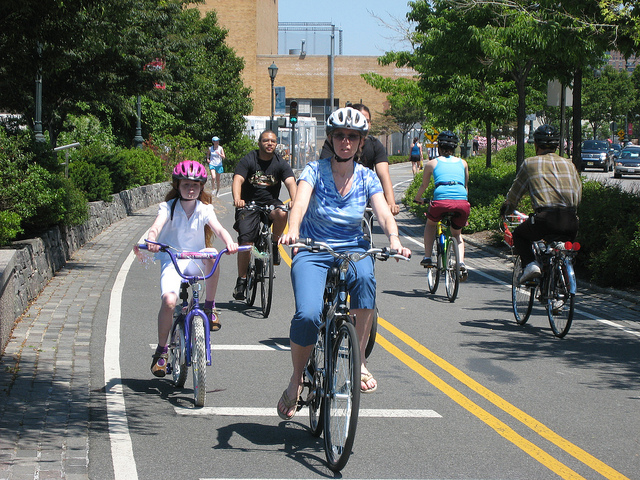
(628, 163)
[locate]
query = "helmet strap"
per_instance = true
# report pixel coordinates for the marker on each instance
(343, 160)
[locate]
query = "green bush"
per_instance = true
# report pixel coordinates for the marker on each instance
(135, 167)
(237, 149)
(33, 198)
(9, 227)
(94, 180)
(487, 189)
(393, 159)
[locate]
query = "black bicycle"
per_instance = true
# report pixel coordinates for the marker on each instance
(332, 373)
(556, 288)
(260, 269)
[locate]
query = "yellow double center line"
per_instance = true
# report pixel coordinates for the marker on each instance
(499, 426)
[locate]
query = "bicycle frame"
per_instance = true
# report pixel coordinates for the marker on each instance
(191, 307)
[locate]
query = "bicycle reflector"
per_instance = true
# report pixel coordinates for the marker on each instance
(575, 246)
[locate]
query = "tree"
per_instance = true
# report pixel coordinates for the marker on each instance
(405, 100)
(609, 96)
(93, 56)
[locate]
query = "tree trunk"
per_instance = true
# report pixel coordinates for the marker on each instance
(577, 116)
(520, 140)
(488, 135)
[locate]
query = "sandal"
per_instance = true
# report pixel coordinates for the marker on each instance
(159, 364)
(365, 378)
(214, 319)
(288, 404)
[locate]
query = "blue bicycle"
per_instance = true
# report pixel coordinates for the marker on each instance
(190, 344)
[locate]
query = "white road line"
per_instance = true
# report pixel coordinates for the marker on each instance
(244, 348)
(271, 412)
(124, 464)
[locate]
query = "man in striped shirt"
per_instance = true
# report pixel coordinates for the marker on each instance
(554, 184)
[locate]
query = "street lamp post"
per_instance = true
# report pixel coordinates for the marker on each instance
(138, 140)
(273, 71)
(38, 120)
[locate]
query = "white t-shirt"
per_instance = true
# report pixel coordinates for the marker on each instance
(185, 234)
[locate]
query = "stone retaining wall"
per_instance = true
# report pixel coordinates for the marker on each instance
(27, 267)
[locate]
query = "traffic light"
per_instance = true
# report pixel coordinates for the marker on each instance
(293, 111)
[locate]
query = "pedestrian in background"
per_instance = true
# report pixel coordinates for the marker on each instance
(215, 156)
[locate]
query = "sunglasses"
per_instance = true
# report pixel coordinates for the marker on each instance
(352, 137)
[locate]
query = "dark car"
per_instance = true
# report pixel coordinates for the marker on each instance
(616, 149)
(628, 163)
(597, 154)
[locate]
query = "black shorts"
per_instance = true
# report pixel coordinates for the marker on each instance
(415, 158)
(247, 223)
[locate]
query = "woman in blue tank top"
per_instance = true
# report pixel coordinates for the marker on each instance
(416, 156)
(451, 178)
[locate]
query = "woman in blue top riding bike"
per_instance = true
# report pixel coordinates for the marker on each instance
(451, 178)
(329, 205)
(182, 222)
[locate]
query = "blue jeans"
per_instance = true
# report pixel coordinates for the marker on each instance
(308, 277)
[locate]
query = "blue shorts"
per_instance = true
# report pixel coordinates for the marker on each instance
(308, 276)
(216, 168)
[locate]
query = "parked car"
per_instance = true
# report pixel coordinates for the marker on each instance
(628, 163)
(597, 154)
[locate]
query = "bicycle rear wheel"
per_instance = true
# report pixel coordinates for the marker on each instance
(315, 375)
(342, 402)
(177, 354)
(522, 296)
(433, 273)
(198, 360)
(560, 302)
(452, 269)
(252, 281)
(266, 276)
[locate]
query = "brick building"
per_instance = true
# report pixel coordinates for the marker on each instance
(253, 34)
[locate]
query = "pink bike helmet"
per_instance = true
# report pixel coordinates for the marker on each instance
(190, 170)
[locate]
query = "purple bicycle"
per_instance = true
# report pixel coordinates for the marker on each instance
(190, 344)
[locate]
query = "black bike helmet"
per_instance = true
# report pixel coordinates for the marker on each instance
(447, 139)
(547, 135)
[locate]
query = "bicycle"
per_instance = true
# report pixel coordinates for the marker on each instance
(190, 343)
(555, 288)
(333, 379)
(447, 260)
(261, 269)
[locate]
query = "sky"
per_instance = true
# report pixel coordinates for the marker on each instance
(362, 33)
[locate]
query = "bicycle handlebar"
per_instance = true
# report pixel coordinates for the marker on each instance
(379, 253)
(264, 208)
(176, 255)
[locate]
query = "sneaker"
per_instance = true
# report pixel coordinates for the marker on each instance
(556, 306)
(530, 272)
(214, 319)
(426, 262)
(464, 273)
(276, 254)
(159, 364)
(241, 285)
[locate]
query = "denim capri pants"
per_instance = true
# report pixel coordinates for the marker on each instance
(308, 277)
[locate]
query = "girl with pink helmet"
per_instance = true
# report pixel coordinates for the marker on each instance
(186, 220)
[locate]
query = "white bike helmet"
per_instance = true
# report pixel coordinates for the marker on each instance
(348, 118)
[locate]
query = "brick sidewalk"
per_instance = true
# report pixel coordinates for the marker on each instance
(45, 370)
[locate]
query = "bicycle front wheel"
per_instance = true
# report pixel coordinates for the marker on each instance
(198, 360)
(342, 402)
(315, 377)
(266, 284)
(452, 269)
(177, 354)
(252, 281)
(522, 296)
(433, 273)
(560, 302)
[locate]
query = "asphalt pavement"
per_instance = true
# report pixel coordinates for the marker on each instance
(49, 402)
